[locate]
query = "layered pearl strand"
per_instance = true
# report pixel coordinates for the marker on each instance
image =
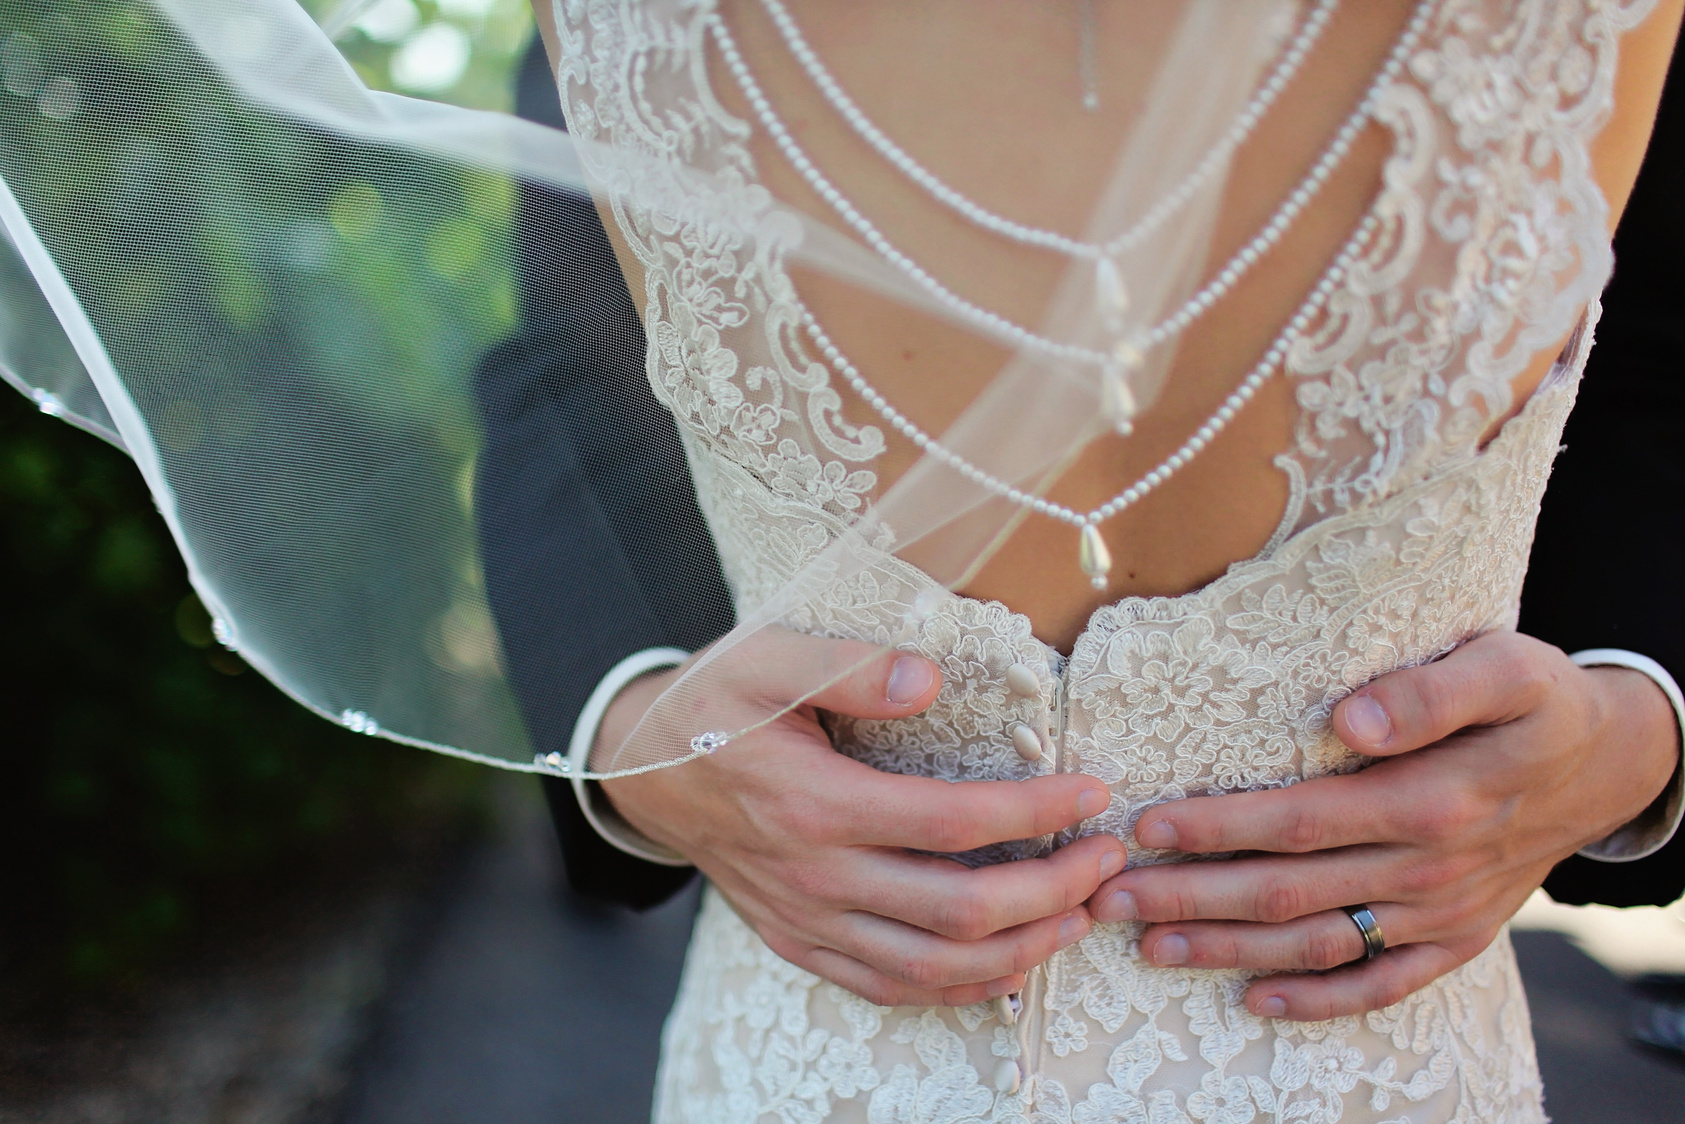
(1093, 555)
(1265, 96)
(1127, 354)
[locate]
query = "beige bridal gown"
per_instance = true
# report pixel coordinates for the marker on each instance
(1403, 536)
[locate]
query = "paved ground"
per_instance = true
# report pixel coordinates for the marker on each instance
(525, 1007)
(265, 1029)
(1581, 1011)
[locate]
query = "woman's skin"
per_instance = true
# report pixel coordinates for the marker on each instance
(1501, 736)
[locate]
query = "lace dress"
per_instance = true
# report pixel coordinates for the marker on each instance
(1403, 537)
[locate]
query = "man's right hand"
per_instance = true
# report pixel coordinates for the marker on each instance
(815, 850)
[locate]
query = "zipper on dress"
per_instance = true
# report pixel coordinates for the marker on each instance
(1056, 720)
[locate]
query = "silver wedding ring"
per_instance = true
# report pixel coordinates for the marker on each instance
(1374, 943)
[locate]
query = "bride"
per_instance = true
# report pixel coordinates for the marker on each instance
(1098, 403)
(1396, 218)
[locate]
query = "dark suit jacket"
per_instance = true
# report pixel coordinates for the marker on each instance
(583, 500)
(579, 537)
(1605, 571)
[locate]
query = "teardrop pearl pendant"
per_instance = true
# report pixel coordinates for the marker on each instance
(1111, 292)
(1117, 401)
(1093, 557)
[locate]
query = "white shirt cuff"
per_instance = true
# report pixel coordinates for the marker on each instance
(1654, 826)
(599, 813)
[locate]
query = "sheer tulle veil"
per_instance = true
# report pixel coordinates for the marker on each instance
(272, 286)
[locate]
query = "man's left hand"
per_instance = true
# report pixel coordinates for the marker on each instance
(1499, 761)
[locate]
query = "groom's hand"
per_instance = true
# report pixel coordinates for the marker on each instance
(813, 849)
(1500, 760)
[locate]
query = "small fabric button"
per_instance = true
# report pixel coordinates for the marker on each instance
(1022, 680)
(1006, 1009)
(1026, 742)
(1007, 1076)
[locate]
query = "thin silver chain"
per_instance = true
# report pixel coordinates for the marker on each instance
(1088, 49)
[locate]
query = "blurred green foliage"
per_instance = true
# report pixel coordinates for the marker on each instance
(148, 780)
(296, 315)
(460, 51)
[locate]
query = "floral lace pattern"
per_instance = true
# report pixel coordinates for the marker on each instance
(1403, 538)
(1224, 689)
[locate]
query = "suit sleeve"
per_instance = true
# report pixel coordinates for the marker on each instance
(590, 537)
(1605, 567)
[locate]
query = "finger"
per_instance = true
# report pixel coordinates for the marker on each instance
(1318, 815)
(928, 962)
(1315, 943)
(952, 900)
(1271, 890)
(1492, 679)
(825, 797)
(796, 944)
(847, 676)
(1368, 986)
(875, 987)
(925, 814)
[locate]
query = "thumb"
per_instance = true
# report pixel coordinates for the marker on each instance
(850, 677)
(1489, 680)
(889, 685)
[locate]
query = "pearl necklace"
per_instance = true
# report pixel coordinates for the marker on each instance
(1092, 554)
(1100, 253)
(1118, 362)
(1127, 354)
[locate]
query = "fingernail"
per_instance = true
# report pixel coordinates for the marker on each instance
(1272, 1007)
(1367, 721)
(1171, 950)
(1119, 905)
(1006, 985)
(1092, 802)
(1160, 835)
(909, 679)
(1072, 929)
(1110, 863)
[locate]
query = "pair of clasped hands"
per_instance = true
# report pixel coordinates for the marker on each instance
(1494, 763)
